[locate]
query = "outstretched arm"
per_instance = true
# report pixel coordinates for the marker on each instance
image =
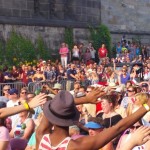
(107, 135)
(36, 101)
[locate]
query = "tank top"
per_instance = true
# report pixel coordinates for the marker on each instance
(45, 144)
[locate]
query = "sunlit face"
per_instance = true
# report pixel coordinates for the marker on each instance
(23, 114)
(88, 90)
(106, 106)
(103, 45)
(131, 92)
(79, 107)
(93, 132)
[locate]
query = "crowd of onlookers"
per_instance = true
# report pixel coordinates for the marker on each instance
(125, 80)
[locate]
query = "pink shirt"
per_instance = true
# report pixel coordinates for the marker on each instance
(63, 51)
(4, 136)
(45, 144)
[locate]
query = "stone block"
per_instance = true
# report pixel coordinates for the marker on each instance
(16, 12)
(30, 5)
(19, 4)
(44, 1)
(5, 12)
(44, 7)
(25, 13)
(78, 10)
(37, 29)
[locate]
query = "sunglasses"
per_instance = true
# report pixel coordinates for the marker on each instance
(23, 92)
(130, 91)
(6, 89)
(135, 127)
(88, 91)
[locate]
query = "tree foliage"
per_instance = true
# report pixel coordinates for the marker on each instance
(68, 37)
(101, 35)
(19, 49)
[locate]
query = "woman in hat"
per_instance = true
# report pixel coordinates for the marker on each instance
(61, 113)
(95, 126)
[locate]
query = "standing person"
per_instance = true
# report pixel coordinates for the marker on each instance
(118, 49)
(93, 53)
(75, 54)
(63, 51)
(82, 51)
(87, 55)
(102, 52)
(71, 77)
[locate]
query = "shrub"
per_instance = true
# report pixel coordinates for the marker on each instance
(41, 49)
(101, 35)
(68, 37)
(19, 49)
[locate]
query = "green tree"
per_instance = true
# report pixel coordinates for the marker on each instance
(68, 37)
(101, 35)
(41, 48)
(19, 49)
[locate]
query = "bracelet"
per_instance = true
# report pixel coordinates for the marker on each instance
(146, 107)
(25, 104)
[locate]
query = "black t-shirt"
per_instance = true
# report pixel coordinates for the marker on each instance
(109, 122)
(71, 71)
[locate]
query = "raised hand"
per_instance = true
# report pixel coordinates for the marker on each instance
(141, 135)
(38, 100)
(95, 94)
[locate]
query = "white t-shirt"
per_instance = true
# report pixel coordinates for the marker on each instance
(93, 53)
(13, 118)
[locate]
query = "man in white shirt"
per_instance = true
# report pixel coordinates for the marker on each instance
(13, 101)
(93, 52)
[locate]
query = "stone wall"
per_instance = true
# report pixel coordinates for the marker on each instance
(53, 36)
(126, 15)
(50, 12)
(49, 17)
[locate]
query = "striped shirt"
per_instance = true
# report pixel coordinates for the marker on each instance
(45, 144)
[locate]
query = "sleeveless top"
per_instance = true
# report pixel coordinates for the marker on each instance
(45, 144)
(20, 128)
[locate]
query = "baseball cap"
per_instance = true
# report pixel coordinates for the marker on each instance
(13, 91)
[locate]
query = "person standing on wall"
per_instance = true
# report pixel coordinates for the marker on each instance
(63, 51)
(102, 52)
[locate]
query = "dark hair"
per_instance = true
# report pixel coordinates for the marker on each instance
(97, 120)
(83, 87)
(111, 98)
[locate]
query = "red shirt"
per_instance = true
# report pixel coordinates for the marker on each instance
(102, 52)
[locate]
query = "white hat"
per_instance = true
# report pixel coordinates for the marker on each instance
(57, 86)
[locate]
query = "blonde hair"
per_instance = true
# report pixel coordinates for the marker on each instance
(142, 97)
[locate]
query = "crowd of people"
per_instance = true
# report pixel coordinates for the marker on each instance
(105, 104)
